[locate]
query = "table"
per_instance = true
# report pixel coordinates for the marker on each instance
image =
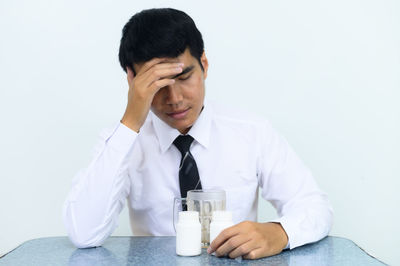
(161, 251)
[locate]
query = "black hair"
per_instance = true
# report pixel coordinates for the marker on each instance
(159, 32)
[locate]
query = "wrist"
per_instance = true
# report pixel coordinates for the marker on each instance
(130, 123)
(285, 237)
(135, 115)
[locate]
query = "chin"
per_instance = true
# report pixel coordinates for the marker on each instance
(182, 126)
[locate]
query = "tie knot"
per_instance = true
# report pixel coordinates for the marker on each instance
(183, 143)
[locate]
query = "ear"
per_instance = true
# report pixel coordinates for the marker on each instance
(129, 75)
(204, 62)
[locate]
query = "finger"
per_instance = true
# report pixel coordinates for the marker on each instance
(158, 74)
(223, 236)
(158, 69)
(231, 244)
(243, 249)
(153, 62)
(254, 254)
(168, 65)
(146, 66)
(161, 83)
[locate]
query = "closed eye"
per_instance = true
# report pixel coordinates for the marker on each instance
(186, 77)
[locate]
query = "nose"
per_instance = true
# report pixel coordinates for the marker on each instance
(173, 95)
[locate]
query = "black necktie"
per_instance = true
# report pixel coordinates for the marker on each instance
(189, 178)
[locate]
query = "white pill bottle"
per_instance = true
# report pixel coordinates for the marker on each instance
(188, 234)
(220, 221)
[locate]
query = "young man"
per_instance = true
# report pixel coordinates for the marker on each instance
(170, 140)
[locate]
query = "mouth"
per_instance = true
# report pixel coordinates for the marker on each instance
(179, 114)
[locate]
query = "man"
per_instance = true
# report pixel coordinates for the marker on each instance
(169, 126)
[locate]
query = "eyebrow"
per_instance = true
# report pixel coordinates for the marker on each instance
(186, 70)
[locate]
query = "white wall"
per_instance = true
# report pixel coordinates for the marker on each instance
(326, 74)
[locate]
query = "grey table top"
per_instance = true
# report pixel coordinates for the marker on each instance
(161, 251)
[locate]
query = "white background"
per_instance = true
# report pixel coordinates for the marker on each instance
(325, 73)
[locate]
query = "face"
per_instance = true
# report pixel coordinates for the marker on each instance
(180, 104)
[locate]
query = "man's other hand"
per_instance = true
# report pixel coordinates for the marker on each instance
(251, 240)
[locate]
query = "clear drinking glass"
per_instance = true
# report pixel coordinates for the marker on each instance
(204, 202)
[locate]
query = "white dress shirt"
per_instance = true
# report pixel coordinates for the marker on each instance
(236, 152)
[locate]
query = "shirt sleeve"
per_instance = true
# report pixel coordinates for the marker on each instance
(99, 192)
(304, 210)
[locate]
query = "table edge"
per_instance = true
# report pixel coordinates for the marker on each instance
(29, 240)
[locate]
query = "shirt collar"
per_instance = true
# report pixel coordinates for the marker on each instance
(200, 130)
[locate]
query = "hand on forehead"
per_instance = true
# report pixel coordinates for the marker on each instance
(185, 58)
(185, 68)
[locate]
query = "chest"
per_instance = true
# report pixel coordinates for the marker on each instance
(225, 165)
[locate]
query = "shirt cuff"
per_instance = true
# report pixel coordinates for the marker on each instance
(122, 138)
